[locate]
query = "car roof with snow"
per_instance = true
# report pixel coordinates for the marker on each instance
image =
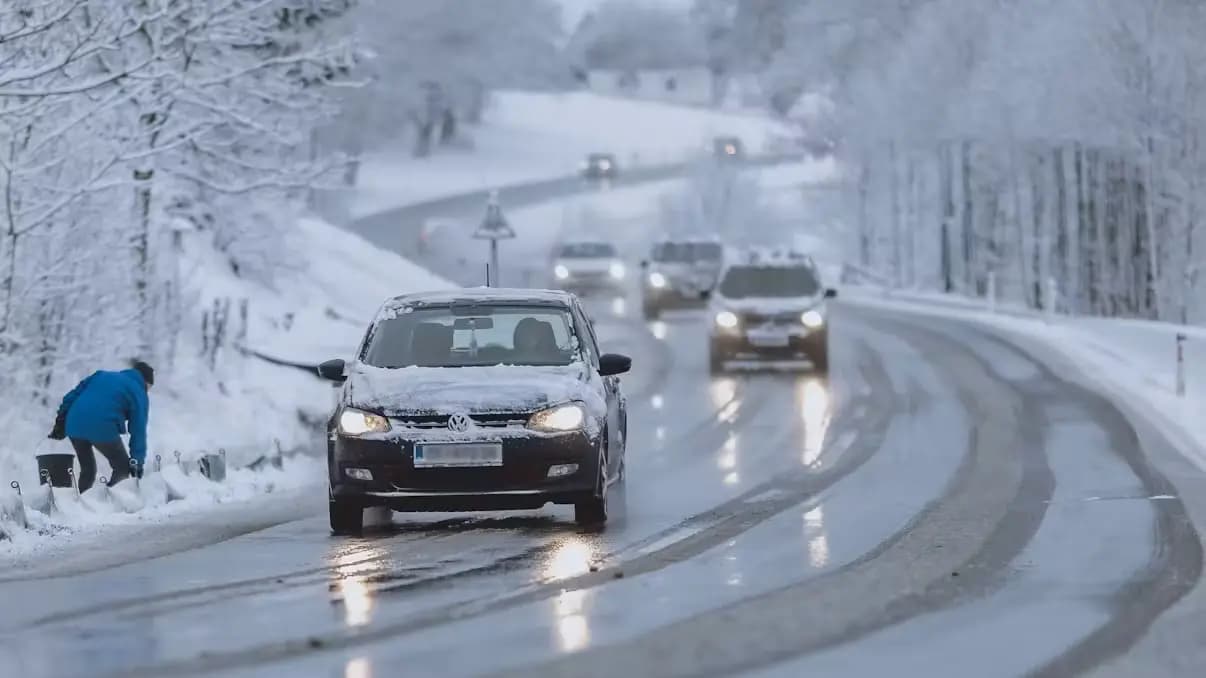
(480, 295)
(769, 257)
(706, 238)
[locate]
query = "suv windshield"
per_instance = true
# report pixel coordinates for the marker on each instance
(472, 336)
(687, 252)
(769, 281)
(587, 250)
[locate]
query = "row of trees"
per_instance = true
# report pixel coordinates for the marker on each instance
(125, 125)
(1052, 146)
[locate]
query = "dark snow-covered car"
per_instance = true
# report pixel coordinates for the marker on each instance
(483, 399)
(600, 166)
(769, 305)
(678, 271)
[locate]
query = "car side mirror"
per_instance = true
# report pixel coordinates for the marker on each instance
(333, 370)
(830, 293)
(644, 263)
(705, 294)
(611, 364)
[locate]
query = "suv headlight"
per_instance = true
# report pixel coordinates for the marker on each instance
(353, 422)
(568, 417)
(560, 271)
(812, 319)
(616, 269)
(727, 320)
(657, 280)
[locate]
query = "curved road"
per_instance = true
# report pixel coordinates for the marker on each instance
(943, 504)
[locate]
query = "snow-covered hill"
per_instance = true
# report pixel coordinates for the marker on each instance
(528, 136)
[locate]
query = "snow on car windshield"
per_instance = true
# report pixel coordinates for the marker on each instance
(587, 250)
(687, 252)
(741, 282)
(473, 335)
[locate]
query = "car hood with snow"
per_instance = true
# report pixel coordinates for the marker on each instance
(468, 390)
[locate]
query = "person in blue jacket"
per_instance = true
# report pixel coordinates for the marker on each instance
(98, 411)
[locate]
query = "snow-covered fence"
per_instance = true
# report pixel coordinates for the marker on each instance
(165, 480)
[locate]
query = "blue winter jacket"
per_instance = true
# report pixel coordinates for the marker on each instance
(101, 405)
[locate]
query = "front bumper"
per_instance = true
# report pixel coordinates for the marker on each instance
(590, 281)
(521, 482)
(800, 342)
(671, 297)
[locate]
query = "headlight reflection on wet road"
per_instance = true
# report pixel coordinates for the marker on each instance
(351, 568)
(573, 628)
(818, 541)
(358, 668)
(814, 408)
(572, 557)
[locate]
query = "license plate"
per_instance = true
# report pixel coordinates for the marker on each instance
(768, 339)
(452, 455)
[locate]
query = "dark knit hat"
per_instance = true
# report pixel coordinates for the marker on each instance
(147, 372)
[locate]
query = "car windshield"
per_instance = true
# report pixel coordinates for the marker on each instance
(687, 252)
(769, 281)
(473, 335)
(587, 250)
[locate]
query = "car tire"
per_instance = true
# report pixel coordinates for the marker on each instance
(716, 361)
(347, 517)
(820, 359)
(651, 312)
(591, 511)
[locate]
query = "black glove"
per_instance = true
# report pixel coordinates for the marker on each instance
(59, 431)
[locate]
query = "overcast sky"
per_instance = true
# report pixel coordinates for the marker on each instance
(574, 9)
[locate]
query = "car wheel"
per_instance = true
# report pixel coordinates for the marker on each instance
(591, 511)
(820, 359)
(651, 312)
(715, 361)
(347, 517)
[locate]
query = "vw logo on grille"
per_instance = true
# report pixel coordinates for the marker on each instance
(459, 423)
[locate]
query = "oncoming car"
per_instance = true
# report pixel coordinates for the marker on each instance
(678, 271)
(585, 265)
(486, 399)
(769, 305)
(600, 166)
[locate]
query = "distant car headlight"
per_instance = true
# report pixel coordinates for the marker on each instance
(657, 280)
(353, 422)
(616, 270)
(812, 319)
(568, 417)
(605, 165)
(727, 320)
(561, 272)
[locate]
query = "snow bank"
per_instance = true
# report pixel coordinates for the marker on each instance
(532, 136)
(311, 311)
(1135, 361)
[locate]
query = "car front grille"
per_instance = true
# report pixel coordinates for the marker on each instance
(786, 318)
(438, 421)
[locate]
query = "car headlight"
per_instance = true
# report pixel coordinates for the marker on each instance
(812, 319)
(727, 320)
(657, 280)
(616, 269)
(353, 422)
(604, 165)
(568, 417)
(561, 272)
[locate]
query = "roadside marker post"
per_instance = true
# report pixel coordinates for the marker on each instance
(1181, 337)
(494, 227)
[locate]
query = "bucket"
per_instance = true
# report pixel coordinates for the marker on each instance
(57, 468)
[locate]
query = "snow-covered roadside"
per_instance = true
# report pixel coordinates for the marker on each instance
(1134, 362)
(307, 313)
(529, 136)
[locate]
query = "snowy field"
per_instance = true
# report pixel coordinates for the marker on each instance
(529, 136)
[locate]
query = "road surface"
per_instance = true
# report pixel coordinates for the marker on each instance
(942, 505)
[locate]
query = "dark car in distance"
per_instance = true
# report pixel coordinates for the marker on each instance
(483, 399)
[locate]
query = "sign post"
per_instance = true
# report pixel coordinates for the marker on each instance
(494, 227)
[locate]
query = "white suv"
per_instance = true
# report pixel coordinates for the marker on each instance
(769, 304)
